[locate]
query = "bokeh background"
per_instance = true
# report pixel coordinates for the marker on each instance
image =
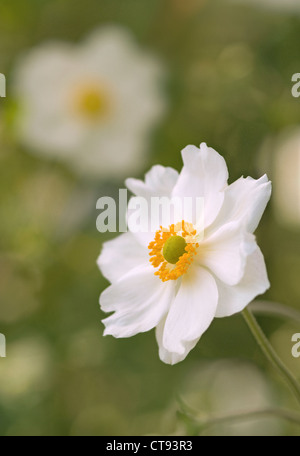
(228, 68)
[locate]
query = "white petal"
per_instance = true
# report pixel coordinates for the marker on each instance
(245, 200)
(225, 252)
(120, 255)
(159, 181)
(171, 357)
(139, 301)
(44, 67)
(255, 282)
(51, 134)
(192, 311)
(204, 174)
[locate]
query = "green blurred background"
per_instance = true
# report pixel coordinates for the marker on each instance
(229, 84)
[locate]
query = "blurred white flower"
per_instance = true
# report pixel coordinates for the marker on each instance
(287, 178)
(92, 105)
(188, 279)
(225, 388)
(26, 370)
(281, 156)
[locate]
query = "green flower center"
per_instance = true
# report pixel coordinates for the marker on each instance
(174, 248)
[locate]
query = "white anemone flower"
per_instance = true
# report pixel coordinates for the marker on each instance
(92, 105)
(188, 279)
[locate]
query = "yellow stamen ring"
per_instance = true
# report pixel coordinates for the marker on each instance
(173, 250)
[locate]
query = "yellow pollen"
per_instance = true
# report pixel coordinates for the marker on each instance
(173, 250)
(91, 101)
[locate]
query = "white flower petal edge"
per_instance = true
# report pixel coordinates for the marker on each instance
(204, 174)
(254, 282)
(159, 181)
(139, 301)
(192, 311)
(226, 251)
(125, 247)
(245, 200)
(167, 356)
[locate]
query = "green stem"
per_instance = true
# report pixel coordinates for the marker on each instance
(271, 354)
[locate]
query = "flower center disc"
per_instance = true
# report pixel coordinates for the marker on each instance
(91, 101)
(174, 248)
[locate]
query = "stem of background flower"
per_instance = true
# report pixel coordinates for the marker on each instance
(201, 425)
(270, 353)
(275, 309)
